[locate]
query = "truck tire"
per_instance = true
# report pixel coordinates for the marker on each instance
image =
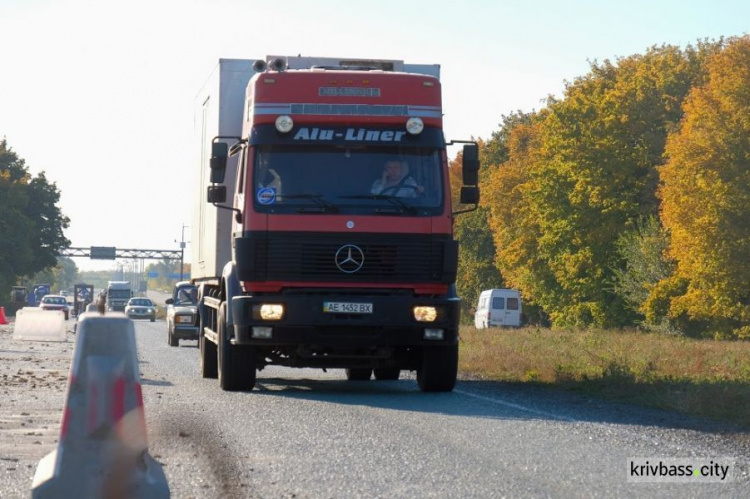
(439, 369)
(358, 374)
(236, 363)
(387, 373)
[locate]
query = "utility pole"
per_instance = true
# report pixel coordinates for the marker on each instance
(182, 252)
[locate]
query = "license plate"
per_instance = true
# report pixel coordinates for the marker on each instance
(337, 307)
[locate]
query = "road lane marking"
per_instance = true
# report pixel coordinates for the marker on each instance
(516, 406)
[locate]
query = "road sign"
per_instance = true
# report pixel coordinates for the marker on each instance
(103, 252)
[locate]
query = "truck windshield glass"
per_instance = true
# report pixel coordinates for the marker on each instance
(338, 179)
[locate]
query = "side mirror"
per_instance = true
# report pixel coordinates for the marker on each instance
(169, 301)
(216, 194)
(469, 195)
(219, 154)
(471, 164)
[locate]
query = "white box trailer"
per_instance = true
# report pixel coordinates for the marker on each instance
(218, 112)
(219, 108)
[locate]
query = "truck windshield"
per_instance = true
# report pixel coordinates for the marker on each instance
(339, 179)
(119, 293)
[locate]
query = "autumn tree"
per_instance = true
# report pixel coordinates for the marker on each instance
(476, 265)
(31, 223)
(706, 196)
(513, 220)
(594, 174)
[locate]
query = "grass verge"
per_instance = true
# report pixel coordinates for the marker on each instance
(702, 377)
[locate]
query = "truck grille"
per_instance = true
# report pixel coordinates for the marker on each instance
(312, 257)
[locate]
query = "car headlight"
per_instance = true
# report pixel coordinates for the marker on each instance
(184, 319)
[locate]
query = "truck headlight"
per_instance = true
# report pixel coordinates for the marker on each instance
(268, 311)
(185, 319)
(425, 314)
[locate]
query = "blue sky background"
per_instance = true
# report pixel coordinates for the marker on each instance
(99, 94)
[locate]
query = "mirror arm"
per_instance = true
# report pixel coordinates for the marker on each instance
(237, 212)
(237, 146)
(466, 211)
(225, 137)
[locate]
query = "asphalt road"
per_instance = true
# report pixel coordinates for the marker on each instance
(309, 434)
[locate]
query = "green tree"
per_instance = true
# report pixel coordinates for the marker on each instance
(643, 251)
(476, 269)
(65, 273)
(164, 269)
(706, 196)
(31, 223)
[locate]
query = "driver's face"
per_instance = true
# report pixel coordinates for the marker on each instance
(393, 170)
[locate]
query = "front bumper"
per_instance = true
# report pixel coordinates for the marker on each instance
(141, 315)
(185, 332)
(391, 323)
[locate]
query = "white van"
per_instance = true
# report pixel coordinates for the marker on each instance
(498, 307)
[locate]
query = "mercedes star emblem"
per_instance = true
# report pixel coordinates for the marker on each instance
(349, 258)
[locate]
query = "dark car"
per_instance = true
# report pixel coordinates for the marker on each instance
(182, 313)
(55, 302)
(141, 308)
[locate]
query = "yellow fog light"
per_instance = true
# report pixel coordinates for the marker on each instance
(269, 311)
(425, 314)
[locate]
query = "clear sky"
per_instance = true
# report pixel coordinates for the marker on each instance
(99, 94)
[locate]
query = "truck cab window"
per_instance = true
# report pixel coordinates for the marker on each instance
(357, 180)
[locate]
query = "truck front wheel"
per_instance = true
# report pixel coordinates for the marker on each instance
(439, 369)
(236, 363)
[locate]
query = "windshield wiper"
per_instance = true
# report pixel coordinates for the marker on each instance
(325, 206)
(394, 200)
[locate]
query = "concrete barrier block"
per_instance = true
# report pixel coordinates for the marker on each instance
(102, 450)
(35, 324)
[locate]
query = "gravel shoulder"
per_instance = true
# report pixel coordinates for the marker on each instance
(33, 385)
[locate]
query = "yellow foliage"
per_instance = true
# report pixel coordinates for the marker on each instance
(705, 192)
